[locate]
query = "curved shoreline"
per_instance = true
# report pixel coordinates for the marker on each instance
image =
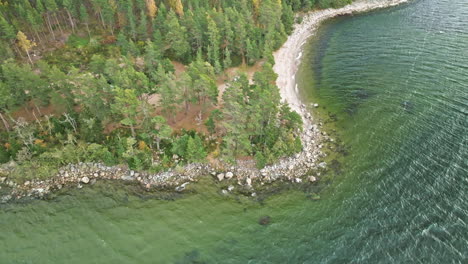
(288, 57)
(302, 166)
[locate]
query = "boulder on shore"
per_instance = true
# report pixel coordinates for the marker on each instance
(229, 175)
(220, 176)
(85, 179)
(312, 179)
(248, 181)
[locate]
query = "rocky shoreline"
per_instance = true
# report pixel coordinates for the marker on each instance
(303, 166)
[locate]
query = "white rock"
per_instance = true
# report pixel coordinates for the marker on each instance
(230, 188)
(248, 181)
(224, 192)
(85, 179)
(220, 176)
(127, 178)
(316, 105)
(298, 180)
(229, 175)
(312, 179)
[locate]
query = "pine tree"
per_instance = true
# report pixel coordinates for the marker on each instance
(288, 18)
(195, 149)
(5, 101)
(176, 37)
(213, 40)
(122, 42)
(227, 58)
(235, 115)
(160, 130)
(168, 90)
(186, 87)
(7, 31)
(143, 27)
(131, 24)
(152, 56)
(126, 106)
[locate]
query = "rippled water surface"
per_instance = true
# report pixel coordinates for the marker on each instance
(392, 84)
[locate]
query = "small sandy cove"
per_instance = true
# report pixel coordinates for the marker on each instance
(288, 57)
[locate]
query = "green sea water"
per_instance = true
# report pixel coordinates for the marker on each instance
(392, 87)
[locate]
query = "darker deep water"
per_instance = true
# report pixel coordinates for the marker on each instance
(394, 85)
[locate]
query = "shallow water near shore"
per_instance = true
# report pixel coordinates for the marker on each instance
(394, 86)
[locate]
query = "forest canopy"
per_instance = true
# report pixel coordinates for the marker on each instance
(142, 82)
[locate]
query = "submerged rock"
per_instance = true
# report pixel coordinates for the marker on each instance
(264, 220)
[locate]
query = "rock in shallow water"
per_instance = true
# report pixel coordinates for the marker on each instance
(264, 220)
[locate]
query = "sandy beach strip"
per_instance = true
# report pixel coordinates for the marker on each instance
(288, 57)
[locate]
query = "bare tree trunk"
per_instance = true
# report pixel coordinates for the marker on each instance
(26, 108)
(157, 143)
(50, 26)
(58, 22)
(37, 120)
(5, 123)
(49, 125)
(71, 21)
(102, 19)
(38, 37)
(38, 110)
(133, 131)
(71, 121)
(87, 28)
(29, 57)
(18, 51)
(186, 107)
